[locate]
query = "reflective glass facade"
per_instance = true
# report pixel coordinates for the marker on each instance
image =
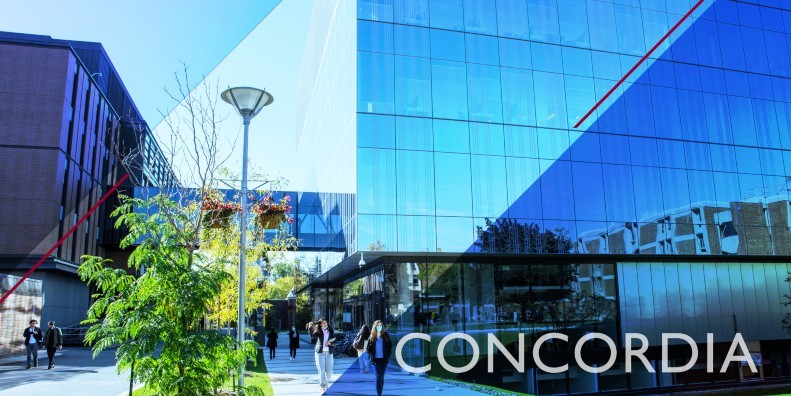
(487, 211)
(465, 112)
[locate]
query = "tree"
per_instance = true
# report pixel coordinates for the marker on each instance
(510, 236)
(155, 318)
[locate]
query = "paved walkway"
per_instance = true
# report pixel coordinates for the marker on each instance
(75, 373)
(300, 378)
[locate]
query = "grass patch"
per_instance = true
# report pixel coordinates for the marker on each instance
(256, 376)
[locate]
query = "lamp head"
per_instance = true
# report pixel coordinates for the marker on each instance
(362, 261)
(248, 101)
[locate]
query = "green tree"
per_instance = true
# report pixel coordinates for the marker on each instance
(155, 319)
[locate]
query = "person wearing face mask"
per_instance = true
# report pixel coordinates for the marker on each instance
(324, 336)
(379, 348)
(32, 336)
(293, 342)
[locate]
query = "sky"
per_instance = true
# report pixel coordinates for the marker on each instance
(256, 43)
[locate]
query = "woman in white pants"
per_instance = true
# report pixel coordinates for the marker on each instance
(325, 337)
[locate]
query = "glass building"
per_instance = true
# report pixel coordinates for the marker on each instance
(448, 128)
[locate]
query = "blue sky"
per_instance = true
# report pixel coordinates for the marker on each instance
(145, 39)
(246, 42)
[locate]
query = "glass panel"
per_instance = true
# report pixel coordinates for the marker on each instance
(489, 188)
(451, 136)
(414, 133)
(523, 142)
(573, 22)
(447, 14)
(375, 131)
(486, 139)
(512, 19)
(588, 191)
(454, 234)
(411, 12)
(375, 90)
(417, 234)
(480, 16)
(374, 37)
(379, 231)
(557, 196)
(518, 100)
(482, 49)
(550, 100)
(454, 184)
(523, 187)
(543, 16)
(484, 97)
(375, 10)
(447, 45)
(415, 178)
(413, 86)
(411, 41)
(376, 181)
(449, 91)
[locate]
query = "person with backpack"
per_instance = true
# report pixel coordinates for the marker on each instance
(379, 348)
(361, 345)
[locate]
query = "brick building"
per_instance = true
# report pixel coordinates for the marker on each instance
(63, 109)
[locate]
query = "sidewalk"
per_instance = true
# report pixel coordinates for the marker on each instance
(300, 377)
(75, 373)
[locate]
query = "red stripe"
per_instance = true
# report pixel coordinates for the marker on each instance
(62, 239)
(639, 62)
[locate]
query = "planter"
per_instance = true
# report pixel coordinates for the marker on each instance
(217, 219)
(269, 221)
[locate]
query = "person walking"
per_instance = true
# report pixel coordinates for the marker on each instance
(379, 348)
(361, 345)
(271, 342)
(32, 336)
(325, 337)
(53, 340)
(293, 342)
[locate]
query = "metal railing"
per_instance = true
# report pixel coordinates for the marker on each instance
(74, 334)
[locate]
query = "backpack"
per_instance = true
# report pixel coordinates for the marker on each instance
(359, 342)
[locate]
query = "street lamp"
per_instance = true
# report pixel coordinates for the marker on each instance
(248, 102)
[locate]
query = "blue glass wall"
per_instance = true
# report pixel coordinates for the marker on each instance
(465, 127)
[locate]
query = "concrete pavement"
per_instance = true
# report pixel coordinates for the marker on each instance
(75, 373)
(300, 377)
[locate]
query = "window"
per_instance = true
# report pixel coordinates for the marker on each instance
(413, 86)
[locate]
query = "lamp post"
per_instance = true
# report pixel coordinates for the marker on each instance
(248, 102)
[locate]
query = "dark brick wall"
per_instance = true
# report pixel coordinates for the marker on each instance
(55, 128)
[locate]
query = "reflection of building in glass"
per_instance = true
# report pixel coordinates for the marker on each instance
(480, 208)
(706, 228)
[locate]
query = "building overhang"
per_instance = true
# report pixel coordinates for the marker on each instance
(24, 263)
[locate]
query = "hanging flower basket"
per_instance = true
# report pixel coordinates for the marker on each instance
(217, 214)
(217, 218)
(269, 221)
(269, 214)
